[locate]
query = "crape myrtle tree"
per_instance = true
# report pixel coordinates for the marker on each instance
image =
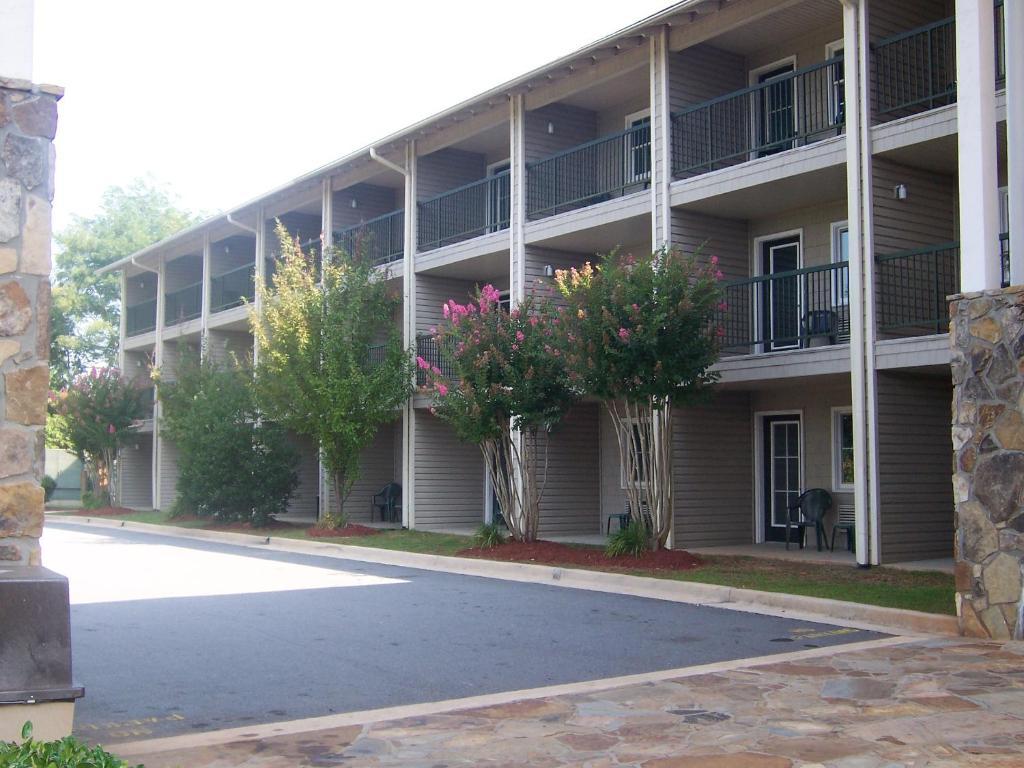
(93, 417)
(234, 465)
(504, 386)
(331, 364)
(640, 333)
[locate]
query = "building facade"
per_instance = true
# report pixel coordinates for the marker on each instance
(812, 145)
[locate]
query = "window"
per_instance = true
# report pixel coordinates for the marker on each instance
(837, 84)
(842, 449)
(638, 146)
(841, 255)
(641, 470)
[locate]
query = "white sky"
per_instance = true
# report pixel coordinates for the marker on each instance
(225, 99)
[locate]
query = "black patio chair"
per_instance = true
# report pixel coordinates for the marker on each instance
(809, 511)
(387, 503)
(845, 521)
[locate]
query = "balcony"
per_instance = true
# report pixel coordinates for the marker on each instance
(382, 239)
(466, 212)
(428, 348)
(915, 71)
(233, 289)
(911, 289)
(783, 112)
(140, 318)
(184, 304)
(590, 173)
(148, 397)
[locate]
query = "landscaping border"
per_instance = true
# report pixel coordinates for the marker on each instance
(859, 615)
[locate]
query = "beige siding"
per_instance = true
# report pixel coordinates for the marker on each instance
(926, 217)
(613, 120)
(376, 469)
(713, 473)
(432, 292)
(571, 126)
(371, 201)
(305, 499)
(571, 501)
(809, 49)
(915, 466)
(613, 496)
(886, 18)
(167, 475)
(816, 225)
(449, 477)
(182, 272)
(713, 236)
(224, 347)
(232, 253)
(702, 73)
(447, 169)
(140, 288)
(539, 258)
(135, 472)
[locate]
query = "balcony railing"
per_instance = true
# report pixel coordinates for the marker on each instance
(590, 173)
(460, 214)
(140, 318)
(377, 353)
(912, 286)
(787, 310)
(184, 304)
(382, 240)
(915, 71)
(428, 348)
(147, 395)
(232, 289)
(786, 111)
(1004, 258)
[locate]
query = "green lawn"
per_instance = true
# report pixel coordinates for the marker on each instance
(913, 590)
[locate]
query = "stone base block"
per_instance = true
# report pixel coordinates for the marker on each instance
(50, 720)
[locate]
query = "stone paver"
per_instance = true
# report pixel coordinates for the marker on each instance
(937, 702)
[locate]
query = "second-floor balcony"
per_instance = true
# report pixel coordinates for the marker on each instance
(469, 211)
(233, 289)
(428, 349)
(381, 239)
(140, 318)
(184, 304)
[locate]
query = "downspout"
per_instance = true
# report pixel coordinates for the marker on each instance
(387, 163)
(240, 225)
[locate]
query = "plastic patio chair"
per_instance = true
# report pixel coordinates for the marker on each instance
(809, 511)
(387, 502)
(845, 521)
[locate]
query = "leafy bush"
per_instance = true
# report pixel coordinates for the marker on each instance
(62, 753)
(91, 501)
(489, 535)
(49, 486)
(234, 465)
(633, 541)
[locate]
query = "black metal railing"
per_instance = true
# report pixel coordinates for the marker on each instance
(790, 110)
(590, 173)
(377, 353)
(469, 211)
(1004, 258)
(184, 304)
(428, 348)
(232, 289)
(787, 310)
(140, 318)
(912, 286)
(382, 239)
(915, 71)
(1000, 45)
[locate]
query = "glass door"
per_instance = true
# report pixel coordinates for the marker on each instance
(638, 147)
(780, 294)
(777, 124)
(499, 196)
(782, 481)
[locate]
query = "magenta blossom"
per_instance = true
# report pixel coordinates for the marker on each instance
(624, 334)
(423, 364)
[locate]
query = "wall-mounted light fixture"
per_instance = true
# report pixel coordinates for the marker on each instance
(354, 203)
(549, 271)
(900, 192)
(551, 127)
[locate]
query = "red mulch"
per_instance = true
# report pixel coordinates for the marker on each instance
(349, 530)
(552, 553)
(102, 511)
(243, 526)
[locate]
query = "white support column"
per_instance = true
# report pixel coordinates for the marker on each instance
(124, 319)
(976, 140)
(409, 337)
(863, 377)
(327, 217)
(260, 272)
(158, 361)
(661, 141)
(204, 310)
(517, 202)
(1013, 22)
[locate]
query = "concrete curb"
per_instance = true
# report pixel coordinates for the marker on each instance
(870, 617)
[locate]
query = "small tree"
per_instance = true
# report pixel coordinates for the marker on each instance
(640, 334)
(506, 387)
(331, 360)
(92, 418)
(233, 464)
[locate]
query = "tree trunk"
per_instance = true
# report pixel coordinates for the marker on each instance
(511, 460)
(336, 517)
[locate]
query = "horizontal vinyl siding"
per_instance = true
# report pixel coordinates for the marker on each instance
(926, 217)
(225, 347)
(816, 224)
(376, 469)
(449, 477)
(915, 467)
(538, 258)
(135, 472)
(304, 500)
(704, 72)
(713, 473)
(182, 272)
(888, 18)
(168, 474)
(571, 501)
(713, 236)
(432, 292)
(232, 253)
(371, 201)
(572, 126)
(446, 170)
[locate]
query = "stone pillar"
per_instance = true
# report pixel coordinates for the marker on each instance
(988, 442)
(28, 122)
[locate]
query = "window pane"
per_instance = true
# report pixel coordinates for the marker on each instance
(845, 449)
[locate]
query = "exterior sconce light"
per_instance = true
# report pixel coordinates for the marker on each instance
(549, 271)
(900, 192)
(354, 203)
(551, 127)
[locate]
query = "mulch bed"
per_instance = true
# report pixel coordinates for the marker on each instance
(99, 511)
(553, 553)
(342, 533)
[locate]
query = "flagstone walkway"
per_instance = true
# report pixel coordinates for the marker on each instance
(934, 702)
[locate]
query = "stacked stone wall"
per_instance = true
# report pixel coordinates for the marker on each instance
(988, 442)
(28, 122)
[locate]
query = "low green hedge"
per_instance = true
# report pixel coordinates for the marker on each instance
(68, 752)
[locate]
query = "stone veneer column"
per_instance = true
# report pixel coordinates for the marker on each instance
(28, 122)
(988, 442)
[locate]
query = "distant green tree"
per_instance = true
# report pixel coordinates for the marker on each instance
(85, 311)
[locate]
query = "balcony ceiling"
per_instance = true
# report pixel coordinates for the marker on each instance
(612, 93)
(796, 20)
(489, 267)
(492, 142)
(781, 195)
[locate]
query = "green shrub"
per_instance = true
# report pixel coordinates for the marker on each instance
(91, 501)
(49, 486)
(63, 753)
(489, 535)
(633, 540)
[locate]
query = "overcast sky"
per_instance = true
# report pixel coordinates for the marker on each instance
(225, 99)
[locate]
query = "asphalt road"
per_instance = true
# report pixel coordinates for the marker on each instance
(176, 636)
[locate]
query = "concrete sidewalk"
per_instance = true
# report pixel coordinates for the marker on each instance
(896, 702)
